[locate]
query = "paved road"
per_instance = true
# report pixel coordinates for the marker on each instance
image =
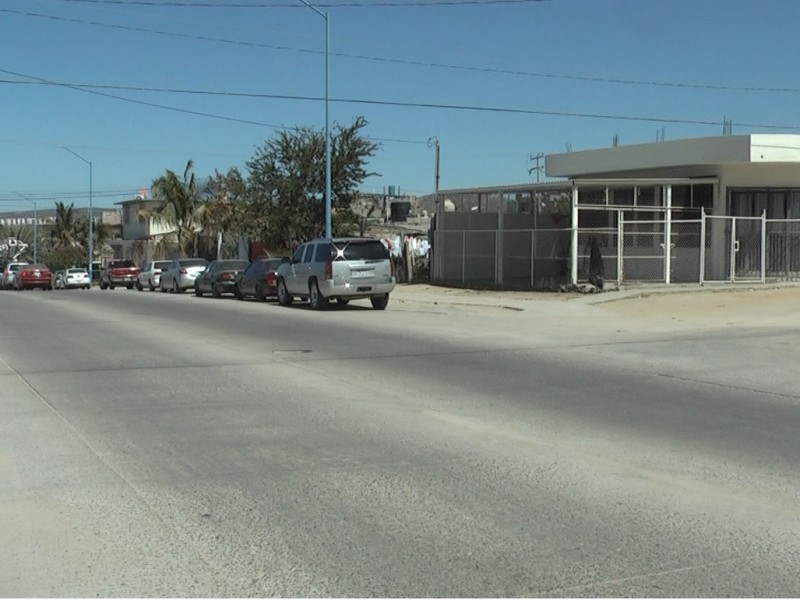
(166, 445)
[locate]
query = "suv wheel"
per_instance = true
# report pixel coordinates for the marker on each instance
(379, 302)
(284, 299)
(315, 297)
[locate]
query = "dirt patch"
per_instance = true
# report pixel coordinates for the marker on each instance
(755, 305)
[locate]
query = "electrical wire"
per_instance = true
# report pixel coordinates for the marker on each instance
(416, 63)
(375, 4)
(430, 105)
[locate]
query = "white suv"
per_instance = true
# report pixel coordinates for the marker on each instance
(10, 272)
(340, 268)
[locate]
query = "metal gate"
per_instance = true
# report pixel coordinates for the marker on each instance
(733, 249)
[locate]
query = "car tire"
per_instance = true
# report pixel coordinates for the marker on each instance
(284, 298)
(379, 302)
(315, 297)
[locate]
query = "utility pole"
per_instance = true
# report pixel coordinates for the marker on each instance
(538, 168)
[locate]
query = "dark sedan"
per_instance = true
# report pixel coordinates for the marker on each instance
(258, 280)
(219, 277)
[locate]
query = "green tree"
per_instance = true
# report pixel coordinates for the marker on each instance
(287, 182)
(64, 258)
(101, 233)
(65, 229)
(225, 212)
(183, 204)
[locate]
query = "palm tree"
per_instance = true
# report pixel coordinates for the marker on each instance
(183, 205)
(65, 232)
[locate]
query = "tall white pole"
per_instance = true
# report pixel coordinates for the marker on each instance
(90, 242)
(325, 16)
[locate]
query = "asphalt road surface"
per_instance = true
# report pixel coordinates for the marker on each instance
(166, 445)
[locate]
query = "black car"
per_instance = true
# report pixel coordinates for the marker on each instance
(219, 277)
(258, 280)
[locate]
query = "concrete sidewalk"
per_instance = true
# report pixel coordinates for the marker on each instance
(524, 300)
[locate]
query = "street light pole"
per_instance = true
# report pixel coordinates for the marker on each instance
(91, 218)
(35, 227)
(325, 16)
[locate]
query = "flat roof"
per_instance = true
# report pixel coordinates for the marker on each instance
(707, 151)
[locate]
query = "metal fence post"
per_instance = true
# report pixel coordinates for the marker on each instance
(732, 274)
(532, 255)
(620, 244)
(668, 237)
(764, 246)
(463, 257)
(574, 237)
(702, 245)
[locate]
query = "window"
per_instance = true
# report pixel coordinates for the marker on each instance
(308, 253)
(366, 250)
(323, 253)
(298, 255)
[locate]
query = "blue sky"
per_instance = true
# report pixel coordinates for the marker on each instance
(529, 76)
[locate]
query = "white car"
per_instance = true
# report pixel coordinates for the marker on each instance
(179, 276)
(10, 272)
(76, 278)
(150, 277)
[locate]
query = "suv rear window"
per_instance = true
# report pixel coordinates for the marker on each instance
(120, 264)
(366, 250)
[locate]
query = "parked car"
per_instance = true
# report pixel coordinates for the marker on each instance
(150, 276)
(74, 278)
(10, 272)
(259, 279)
(179, 276)
(119, 272)
(33, 276)
(219, 277)
(57, 279)
(341, 268)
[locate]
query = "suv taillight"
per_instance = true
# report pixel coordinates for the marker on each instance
(328, 272)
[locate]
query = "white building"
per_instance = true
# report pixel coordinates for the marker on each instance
(696, 210)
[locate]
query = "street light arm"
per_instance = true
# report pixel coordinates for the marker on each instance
(324, 15)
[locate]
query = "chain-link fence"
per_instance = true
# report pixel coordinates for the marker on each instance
(783, 249)
(614, 248)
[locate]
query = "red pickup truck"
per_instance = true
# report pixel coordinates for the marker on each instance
(119, 272)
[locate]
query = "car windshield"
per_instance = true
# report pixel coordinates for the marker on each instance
(358, 250)
(194, 262)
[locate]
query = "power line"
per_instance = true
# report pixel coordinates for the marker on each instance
(416, 63)
(431, 105)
